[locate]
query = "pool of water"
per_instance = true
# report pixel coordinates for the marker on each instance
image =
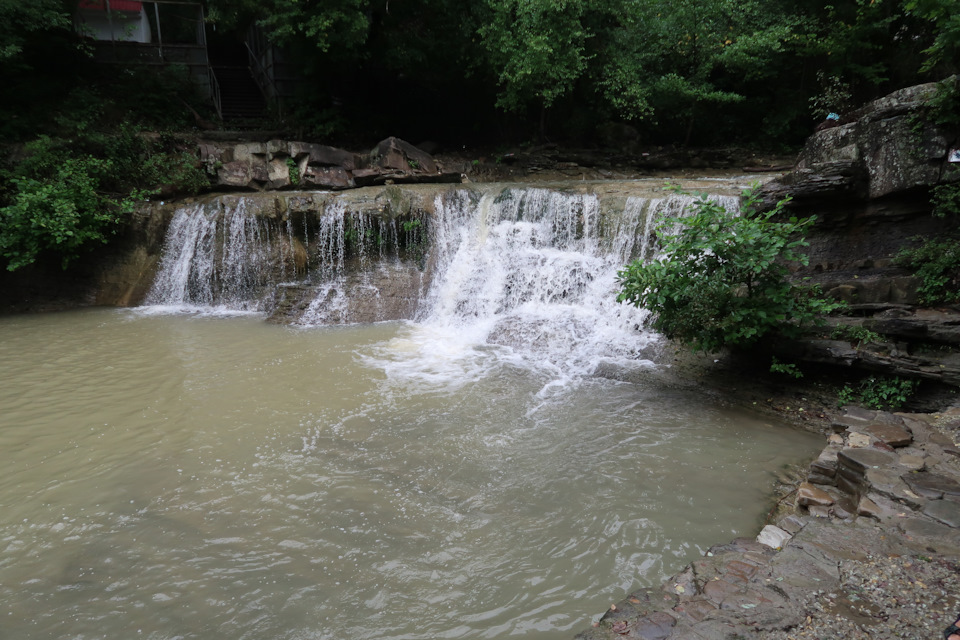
(204, 477)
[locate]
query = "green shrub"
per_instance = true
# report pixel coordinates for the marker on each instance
(785, 368)
(937, 264)
(887, 394)
(945, 200)
(858, 334)
(61, 214)
(722, 279)
(177, 172)
(294, 170)
(70, 193)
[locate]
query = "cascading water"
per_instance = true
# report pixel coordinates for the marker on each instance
(217, 256)
(517, 273)
(529, 275)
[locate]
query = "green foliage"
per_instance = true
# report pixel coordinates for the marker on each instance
(943, 17)
(943, 108)
(538, 48)
(859, 334)
(722, 279)
(61, 213)
(22, 21)
(67, 194)
(937, 264)
(785, 368)
(887, 394)
(172, 172)
(294, 170)
(945, 200)
(834, 96)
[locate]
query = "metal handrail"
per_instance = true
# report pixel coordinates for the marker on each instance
(215, 91)
(260, 72)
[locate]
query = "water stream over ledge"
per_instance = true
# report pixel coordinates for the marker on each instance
(464, 473)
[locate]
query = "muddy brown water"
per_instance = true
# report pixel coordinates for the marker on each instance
(197, 476)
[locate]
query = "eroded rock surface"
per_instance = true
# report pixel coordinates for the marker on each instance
(283, 164)
(846, 561)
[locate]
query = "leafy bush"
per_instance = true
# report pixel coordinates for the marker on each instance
(887, 394)
(786, 368)
(174, 172)
(723, 279)
(945, 200)
(858, 334)
(67, 194)
(61, 213)
(937, 264)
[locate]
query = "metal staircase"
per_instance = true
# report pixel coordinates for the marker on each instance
(242, 104)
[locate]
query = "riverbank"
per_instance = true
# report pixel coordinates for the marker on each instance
(867, 547)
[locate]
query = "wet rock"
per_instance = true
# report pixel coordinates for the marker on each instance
(858, 440)
(808, 495)
(887, 482)
(869, 508)
(844, 508)
(394, 153)
(859, 460)
(327, 177)
(771, 536)
(944, 511)
(827, 481)
(931, 533)
(889, 434)
(826, 462)
(696, 610)
(791, 524)
(656, 626)
(912, 462)
(932, 485)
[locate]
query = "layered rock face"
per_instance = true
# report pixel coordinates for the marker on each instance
(281, 164)
(868, 182)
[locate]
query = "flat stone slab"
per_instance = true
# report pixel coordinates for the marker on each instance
(944, 511)
(912, 462)
(774, 537)
(929, 530)
(932, 485)
(809, 495)
(889, 434)
(858, 440)
(862, 459)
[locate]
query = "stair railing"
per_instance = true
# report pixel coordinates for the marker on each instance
(215, 92)
(264, 79)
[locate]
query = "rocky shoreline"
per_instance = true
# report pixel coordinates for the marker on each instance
(868, 546)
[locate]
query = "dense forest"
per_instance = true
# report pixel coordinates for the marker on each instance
(461, 73)
(679, 71)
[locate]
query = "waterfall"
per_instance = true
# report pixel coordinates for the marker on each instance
(216, 256)
(525, 273)
(534, 271)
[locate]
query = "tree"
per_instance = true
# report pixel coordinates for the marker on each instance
(22, 21)
(538, 49)
(944, 17)
(722, 279)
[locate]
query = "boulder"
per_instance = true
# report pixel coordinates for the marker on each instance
(879, 151)
(398, 155)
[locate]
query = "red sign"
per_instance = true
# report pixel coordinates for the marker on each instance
(115, 5)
